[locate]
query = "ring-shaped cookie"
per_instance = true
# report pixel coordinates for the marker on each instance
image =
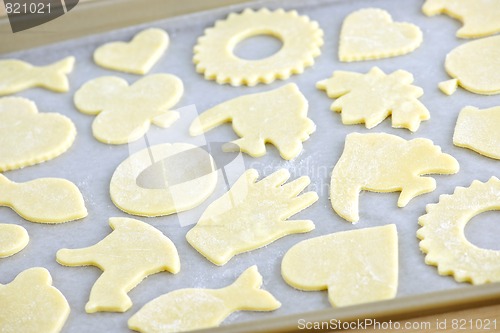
(197, 180)
(301, 37)
(443, 238)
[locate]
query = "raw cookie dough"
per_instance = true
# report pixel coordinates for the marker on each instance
(255, 118)
(357, 266)
(187, 178)
(251, 215)
(137, 56)
(442, 234)
(381, 162)
(193, 309)
(13, 238)
(29, 137)
(301, 37)
(448, 87)
(30, 304)
(371, 33)
(479, 130)
(476, 66)
(372, 97)
(17, 75)
(124, 113)
(43, 200)
(480, 17)
(129, 254)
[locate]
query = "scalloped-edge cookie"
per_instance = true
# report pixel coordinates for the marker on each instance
(381, 162)
(13, 238)
(478, 130)
(370, 33)
(251, 215)
(184, 182)
(356, 266)
(196, 308)
(29, 137)
(30, 304)
(480, 18)
(372, 97)
(129, 254)
(43, 200)
(136, 56)
(254, 119)
(443, 239)
(475, 66)
(301, 37)
(17, 75)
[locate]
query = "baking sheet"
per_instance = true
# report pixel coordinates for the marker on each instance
(90, 164)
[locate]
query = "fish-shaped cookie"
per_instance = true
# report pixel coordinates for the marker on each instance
(17, 75)
(190, 309)
(43, 200)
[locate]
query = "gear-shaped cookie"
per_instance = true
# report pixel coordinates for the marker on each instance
(301, 37)
(443, 239)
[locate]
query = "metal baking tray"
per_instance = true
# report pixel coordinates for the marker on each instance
(90, 165)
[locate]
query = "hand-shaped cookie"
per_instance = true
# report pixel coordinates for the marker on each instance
(124, 113)
(251, 215)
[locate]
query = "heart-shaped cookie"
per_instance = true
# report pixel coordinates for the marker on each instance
(356, 266)
(372, 34)
(137, 56)
(28, 137)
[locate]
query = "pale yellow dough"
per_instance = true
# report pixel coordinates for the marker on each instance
(371, 33)
(29, 137)
(17, 75)
(480, 17)
(381, 162)
(357, 266)
(448, 87)
(30, 304)
(193, 309)
(301, 37)
(372, 97)
(125, 113)
(13, 238)
(189, 169)
(129, 254)
(442, 234)
(255, 116)
(138, 56)
(476, 65)
(251, 215)
(479, 130)
(43, 200)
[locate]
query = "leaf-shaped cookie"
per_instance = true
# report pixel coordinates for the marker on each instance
(255, 118)
(370, 33)
(372, 97)
(381, 162)
(130, 253)
(28, 137)
(251, 215)
(124, 113)
(43, 200)
(193, 309)
(30, 304)
(356, 266)
(137, 56)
